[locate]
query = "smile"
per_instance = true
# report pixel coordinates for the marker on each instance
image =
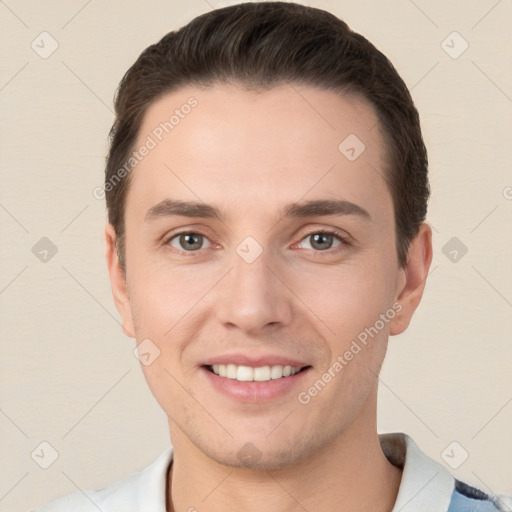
(249, 374)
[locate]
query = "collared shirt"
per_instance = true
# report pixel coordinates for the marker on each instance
(426, 486)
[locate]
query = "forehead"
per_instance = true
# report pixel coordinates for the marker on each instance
(249, 147)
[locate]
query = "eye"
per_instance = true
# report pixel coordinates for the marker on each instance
(189, 242)
(321, 241)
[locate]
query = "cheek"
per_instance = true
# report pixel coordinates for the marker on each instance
(164, 306)
(168, 307)
(348, 302)
(162, 295)
(347, 298)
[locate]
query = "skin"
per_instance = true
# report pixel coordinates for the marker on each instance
(250, 154)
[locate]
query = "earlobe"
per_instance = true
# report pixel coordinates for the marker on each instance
(118, 282)
(413, 278)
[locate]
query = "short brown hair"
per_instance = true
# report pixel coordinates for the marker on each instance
(261, 45)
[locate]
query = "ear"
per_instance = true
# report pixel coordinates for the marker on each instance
(412, 279)
(118, 282)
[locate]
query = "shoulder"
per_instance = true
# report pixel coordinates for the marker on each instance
(144, 491)
(465, 498)
(427, 486)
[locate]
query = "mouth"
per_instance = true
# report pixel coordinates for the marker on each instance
(243, 373)
(255, 378)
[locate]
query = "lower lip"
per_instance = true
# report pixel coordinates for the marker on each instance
(254, 392)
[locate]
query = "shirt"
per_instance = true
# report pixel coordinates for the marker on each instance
(426, 486)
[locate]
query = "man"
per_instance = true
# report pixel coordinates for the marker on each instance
(267, 190)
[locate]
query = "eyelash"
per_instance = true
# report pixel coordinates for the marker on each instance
(343, 240)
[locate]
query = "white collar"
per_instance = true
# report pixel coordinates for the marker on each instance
(144, 491)
(426, 486)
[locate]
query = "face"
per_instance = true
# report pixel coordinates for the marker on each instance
(260, 249)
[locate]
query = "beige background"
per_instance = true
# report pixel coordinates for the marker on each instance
(68, 373)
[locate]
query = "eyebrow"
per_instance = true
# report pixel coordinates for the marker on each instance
(313, 208)
(170, 207)
(317, 208)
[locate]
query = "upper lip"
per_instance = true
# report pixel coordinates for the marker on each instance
(254, 361)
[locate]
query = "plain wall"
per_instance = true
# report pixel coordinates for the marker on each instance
(68, 374)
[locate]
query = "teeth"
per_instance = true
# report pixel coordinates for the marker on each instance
(259, 374)
(276, 372)
(231, 371)
(262, 373)
(244, 373)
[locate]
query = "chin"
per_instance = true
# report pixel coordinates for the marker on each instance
(257, 460)
(249, 455)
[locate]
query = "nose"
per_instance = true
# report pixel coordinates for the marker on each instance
(253, 297)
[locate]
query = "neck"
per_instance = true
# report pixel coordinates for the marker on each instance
(350, 473)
